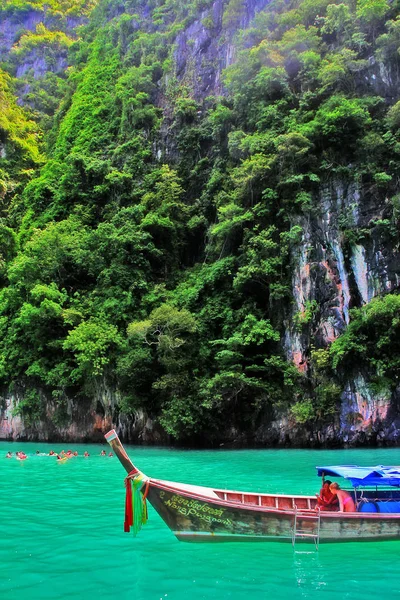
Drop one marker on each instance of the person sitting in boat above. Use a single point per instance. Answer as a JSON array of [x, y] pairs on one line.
[[346, 502], [326, 500], [9, 455]]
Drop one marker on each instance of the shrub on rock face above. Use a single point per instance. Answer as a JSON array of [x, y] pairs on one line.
[[393, 117], [372, 339]]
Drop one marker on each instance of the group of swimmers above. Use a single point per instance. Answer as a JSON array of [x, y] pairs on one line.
[[332, 497], [60, 456], [19, 455]]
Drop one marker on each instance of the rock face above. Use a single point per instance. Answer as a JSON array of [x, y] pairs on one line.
[[79, 421], [336, 273], [365, 418], [339, 275], [38, 59], [14, 24], [11, 26], [205, 48]]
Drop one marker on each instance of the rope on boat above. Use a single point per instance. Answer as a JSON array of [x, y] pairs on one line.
[[135, 502]]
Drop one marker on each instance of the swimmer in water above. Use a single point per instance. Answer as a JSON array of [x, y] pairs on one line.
[[86, 454], [111, 454], [103, 453], [9, 455]]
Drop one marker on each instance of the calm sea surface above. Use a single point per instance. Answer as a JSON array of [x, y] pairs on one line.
[[62, 531]]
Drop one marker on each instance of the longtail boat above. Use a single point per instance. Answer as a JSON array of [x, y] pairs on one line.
[[197, 513]]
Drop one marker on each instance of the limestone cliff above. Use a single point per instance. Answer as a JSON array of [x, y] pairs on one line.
[[347, 255]]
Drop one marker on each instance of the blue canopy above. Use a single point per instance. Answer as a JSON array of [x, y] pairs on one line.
[[364, 476]]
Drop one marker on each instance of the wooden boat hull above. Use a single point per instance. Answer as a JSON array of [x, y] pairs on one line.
[[195, 519], [198, 514]]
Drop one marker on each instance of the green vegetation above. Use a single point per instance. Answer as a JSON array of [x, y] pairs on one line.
[[372, 340], [16, 128], [57, 8], [153, 250], [41, 40]]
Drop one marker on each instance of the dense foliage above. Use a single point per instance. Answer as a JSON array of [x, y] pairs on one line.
[[153, 251]]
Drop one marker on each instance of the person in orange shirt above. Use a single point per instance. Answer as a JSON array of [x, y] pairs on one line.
[[327, 500]]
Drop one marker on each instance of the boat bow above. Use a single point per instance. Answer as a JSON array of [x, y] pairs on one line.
[[136, 486]]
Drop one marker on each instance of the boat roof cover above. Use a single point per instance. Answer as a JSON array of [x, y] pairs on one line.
[[364, 476]]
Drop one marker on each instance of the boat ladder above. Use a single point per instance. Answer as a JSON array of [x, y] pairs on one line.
[[310, 525]]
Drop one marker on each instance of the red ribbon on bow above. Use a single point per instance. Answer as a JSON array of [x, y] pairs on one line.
[[128, 502]]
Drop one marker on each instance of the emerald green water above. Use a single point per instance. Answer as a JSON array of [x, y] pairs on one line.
[[62, 531]]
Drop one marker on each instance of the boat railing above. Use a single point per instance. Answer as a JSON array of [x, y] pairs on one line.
[[272, 501]]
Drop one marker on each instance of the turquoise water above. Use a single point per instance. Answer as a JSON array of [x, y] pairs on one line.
[[62, 531]]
